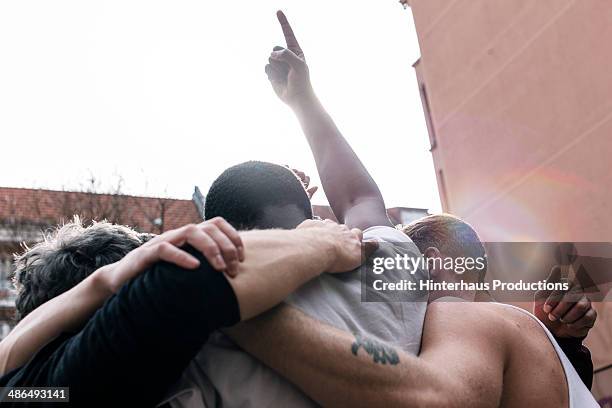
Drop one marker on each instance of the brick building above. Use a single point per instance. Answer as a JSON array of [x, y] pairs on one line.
[[26, 213]]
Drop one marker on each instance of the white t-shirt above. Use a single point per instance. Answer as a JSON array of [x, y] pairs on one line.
[[224, 375]]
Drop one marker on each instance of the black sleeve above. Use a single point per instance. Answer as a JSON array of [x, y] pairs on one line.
[[140, 341], [580, 357]]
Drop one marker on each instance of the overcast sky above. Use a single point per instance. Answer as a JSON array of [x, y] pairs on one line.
[[167, 94]]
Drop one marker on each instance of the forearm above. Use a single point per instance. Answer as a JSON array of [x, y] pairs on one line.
[[277, 262], [345, 179], [65, 313], [334, 367]]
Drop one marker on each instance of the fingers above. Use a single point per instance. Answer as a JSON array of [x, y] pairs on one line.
[[288, 57], [292, 42], [358, 233], [165, 251], [553, 277], [206, 245], [349, 247], [559, 303], [572, 308], [566, 306], [223, 247], [311, 191], [216, 239], [585, 323], [305, 179], [277, 71], [232, 234], [562, 302], [302, 176], [552, 297], [575, 312]]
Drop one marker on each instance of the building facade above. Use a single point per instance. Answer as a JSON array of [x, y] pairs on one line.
[[517, 96], [25, 214]]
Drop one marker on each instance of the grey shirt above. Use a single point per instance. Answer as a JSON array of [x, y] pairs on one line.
[[222, 375]]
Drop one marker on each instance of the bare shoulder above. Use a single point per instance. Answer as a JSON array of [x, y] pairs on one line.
[[467, 339], [494, 348], [466, 325], [475, 315], [483, 324], [479, 315], [487, 329]]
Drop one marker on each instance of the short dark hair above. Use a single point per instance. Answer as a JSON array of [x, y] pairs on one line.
[[242, 193], [65, 257]]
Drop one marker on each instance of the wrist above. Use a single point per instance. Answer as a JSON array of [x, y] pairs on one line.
[[328, 250], [319, 246], [304, 101], [102, 282]]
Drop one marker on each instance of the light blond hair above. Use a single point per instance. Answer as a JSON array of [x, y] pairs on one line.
[[449, 234]]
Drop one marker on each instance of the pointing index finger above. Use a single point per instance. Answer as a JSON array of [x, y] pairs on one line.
[[292, 42]]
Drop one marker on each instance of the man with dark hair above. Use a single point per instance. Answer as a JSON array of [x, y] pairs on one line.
[[327, 364], [260, 195], [126, 331], [481, 354], [64, 260], [221, 374]]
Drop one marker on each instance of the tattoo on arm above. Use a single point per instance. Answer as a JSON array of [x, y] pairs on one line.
[[381, 353]]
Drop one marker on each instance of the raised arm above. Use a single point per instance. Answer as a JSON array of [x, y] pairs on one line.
[[351, 191]]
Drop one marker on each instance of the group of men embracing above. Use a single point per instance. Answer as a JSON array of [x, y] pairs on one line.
[[261, 305]]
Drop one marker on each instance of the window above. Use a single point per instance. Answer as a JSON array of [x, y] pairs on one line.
[[428, 118], [5, 270]]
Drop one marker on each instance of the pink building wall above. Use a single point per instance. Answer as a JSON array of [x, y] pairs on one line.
[[518, 96]]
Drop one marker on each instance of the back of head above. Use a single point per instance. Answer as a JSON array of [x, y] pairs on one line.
[[65, 257], [260, 195], [451, 235]]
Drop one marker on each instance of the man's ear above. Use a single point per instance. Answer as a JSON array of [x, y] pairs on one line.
[[433, 253]]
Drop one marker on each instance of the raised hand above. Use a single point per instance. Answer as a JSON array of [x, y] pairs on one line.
[[287, 69]]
